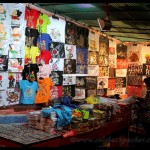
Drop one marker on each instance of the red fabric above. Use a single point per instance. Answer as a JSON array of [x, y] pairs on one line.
[[31, 15], [44, 55]]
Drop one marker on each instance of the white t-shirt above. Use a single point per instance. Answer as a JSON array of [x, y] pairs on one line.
[[57, 30], [16, 13], [44, 71]]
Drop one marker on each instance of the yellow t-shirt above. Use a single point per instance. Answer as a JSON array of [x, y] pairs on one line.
[[43, 93], [31, 53]]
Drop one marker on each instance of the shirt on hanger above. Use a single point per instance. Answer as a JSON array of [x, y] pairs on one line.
[[31, 53], [29, 69], [31, 16], [44, 71], [44, 57], [43, 93], [31, 36], [42, 23], [28, 91], [43, 41]]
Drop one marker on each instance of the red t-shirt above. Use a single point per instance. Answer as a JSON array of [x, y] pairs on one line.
[[45, 56], [31, 15]]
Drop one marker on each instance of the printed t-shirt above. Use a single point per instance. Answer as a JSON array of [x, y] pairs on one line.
[[43, 93], [29, 69], [44, 71], [44, 57], [31, 36], [42, 23], [44, 41], [28, 91], [31, 53], [31, 15]]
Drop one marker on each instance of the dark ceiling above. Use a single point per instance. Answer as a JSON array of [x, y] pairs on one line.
[[130, 21]]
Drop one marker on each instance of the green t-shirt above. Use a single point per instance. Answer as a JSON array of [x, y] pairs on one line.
[[42, 23]]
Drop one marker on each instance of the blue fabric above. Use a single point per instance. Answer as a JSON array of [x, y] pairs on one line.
[[28, 91], [13, 119], [64, 114], [66, 101], [46, 38]]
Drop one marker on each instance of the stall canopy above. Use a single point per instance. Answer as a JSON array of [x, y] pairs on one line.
[[130, 21]]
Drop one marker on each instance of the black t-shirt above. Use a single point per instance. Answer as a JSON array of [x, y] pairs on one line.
[[3, 62], [31, 36], [29, 69]]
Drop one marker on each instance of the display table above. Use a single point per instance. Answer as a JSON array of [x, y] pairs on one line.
[[14, 135]]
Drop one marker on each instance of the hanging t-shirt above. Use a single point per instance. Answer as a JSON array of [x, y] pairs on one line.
[[43, 93], [31, 16], [4, 47], [44, 57], [57, 77], [4, 30], [3, 11], [16, 13], [31, 36], [44, 41], [2, 97], [44, 71], [42, 23], [28, 91], [3, 62], [16, 50], [31, 53], [57, 29], [16, 33], [71, 33], [3, 80], [29, 69]]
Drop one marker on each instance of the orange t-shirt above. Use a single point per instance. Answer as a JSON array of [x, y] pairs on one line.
[[43, 93]]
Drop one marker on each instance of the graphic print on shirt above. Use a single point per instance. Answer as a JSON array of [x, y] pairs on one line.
[[16, 33], [4, 47], [15, 65], [29, 92], [3, 62], [3, 30], [70, 51], [13, 96], [57, 50], [3, 80], [2, 11], [42, 91], [15, 49], [57, 64]]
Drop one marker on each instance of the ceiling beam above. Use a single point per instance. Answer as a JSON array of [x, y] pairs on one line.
[[116, 36], [124, 28], [125, 32]]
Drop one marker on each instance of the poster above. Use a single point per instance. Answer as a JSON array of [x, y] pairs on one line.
[[121, 51], [93, 70], [121, 72]]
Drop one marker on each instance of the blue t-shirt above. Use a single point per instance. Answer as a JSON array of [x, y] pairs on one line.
[[43, 41], [28, 91]]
